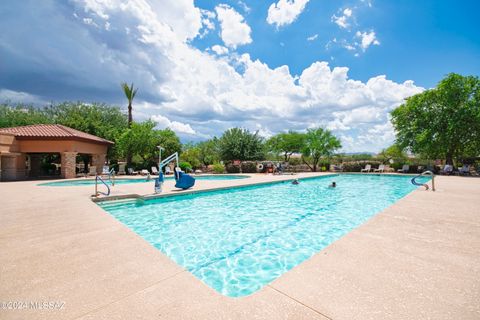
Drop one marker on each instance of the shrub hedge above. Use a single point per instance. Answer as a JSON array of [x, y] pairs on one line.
[[249, 167], [232, 168]]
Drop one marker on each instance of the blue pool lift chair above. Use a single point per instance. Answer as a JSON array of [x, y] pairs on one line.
[[183, 181]]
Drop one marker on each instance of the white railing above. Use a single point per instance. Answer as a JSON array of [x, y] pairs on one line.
[[170, 158]]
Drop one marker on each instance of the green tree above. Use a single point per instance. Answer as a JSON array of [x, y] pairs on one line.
[[21, 115], [286, 143], [191, 154], [209, 151], [100, 120], [130, 93], [318, 143], [443, 122], [169, 140], [241, 144], [141, 140], [394, 152]]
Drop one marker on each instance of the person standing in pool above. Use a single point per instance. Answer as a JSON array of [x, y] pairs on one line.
[[333, 185], [295, 181]]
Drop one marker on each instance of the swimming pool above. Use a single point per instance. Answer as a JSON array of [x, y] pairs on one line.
[[240, 239], [89, 182]]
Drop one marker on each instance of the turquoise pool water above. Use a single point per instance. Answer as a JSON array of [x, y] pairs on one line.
[[88, 182], [240, 239]]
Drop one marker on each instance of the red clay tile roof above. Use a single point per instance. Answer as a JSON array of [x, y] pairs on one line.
[[53, 132]]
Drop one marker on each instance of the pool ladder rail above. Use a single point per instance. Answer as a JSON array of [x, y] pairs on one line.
[[111, 178], [425, 173]]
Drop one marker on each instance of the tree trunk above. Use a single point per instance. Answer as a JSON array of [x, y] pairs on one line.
[[130, 119], [315, 162], [449, 159], [303, 159]]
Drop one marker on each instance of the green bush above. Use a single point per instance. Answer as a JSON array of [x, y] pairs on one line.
[[294, 161], [249, 167], [232, 168], [357, 166], [324, 166], [185, 166], [218, 168]]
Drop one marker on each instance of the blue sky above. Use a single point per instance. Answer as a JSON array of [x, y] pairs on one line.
[[205, 66], [420, 40]]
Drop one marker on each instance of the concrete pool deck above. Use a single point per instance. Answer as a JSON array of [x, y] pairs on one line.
[[417, 259]]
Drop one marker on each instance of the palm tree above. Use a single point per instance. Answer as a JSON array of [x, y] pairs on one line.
[[130, 94]]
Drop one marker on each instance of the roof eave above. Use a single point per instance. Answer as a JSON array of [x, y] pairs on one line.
[[105, 142]]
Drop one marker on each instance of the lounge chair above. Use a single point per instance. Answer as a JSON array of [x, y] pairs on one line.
[[404, 169], [464, 170], [144, 172], [447, 169], [154, 171], [168, 170], [131, 172], [336, 168], [92, 170], [278, 169], [381, 168], [367, 168], [105, 170], [121, 168]]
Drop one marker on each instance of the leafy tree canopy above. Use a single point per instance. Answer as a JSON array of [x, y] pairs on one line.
[[142, 139], [21, 115], [97, 119], [286, 143], [394, 152], [191, 154], [443, 122], [318, 143], [241, 144], [209, 151]]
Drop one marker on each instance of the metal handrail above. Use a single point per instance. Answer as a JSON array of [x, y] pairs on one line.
[[428, 172], [97, 177], [111, 176]]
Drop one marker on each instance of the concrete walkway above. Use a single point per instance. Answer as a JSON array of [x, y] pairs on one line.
[[418, 259]]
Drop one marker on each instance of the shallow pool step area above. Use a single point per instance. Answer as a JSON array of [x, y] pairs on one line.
[[115, 203]]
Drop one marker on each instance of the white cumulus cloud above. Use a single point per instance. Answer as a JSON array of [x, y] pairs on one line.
[[367, 39], [285, 12], [220, 50], [196, 93], [179, 127], [343, 21], [234, 30]]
